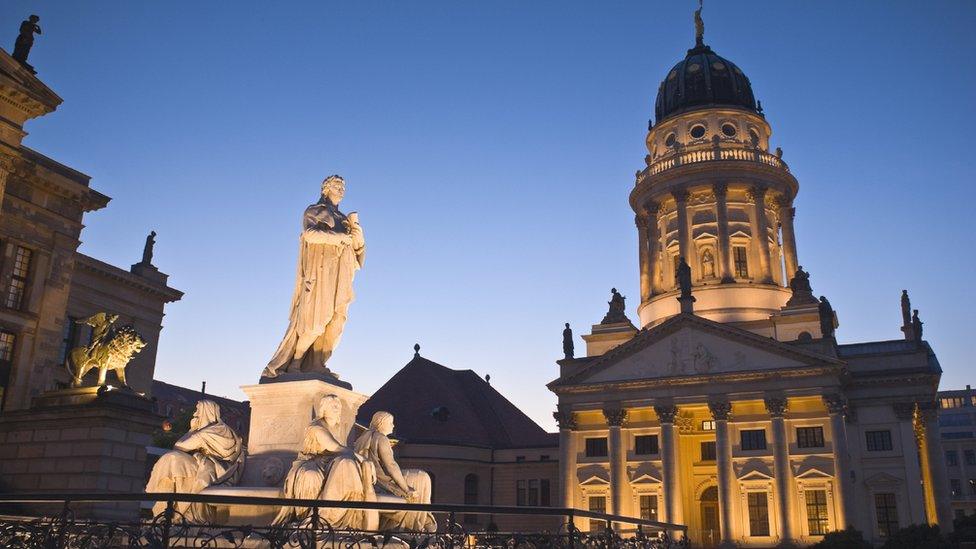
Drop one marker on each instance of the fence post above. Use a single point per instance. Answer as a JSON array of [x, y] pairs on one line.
[[450, 530], [572, 529], [64, 524], [168, 520]]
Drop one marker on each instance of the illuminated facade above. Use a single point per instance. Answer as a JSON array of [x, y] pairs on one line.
[[734, 410], [957, 417]]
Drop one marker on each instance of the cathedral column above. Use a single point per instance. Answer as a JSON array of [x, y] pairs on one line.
[[670, 464], [684, 227], [618, 459], [836, 409], [722, 413], [786, 213], [777, 406], [911, 437], [643, 255], [933, 466], [760, 232], [654, 246], [567, 457], [721, 191]]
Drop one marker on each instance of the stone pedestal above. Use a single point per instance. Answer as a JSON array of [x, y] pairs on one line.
[[78, 440], [280, 412]]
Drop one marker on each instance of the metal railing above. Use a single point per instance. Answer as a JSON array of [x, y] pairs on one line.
[[714, 152], [169, 528]]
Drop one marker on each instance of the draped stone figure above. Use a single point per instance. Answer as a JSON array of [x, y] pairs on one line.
[[331, 250], [413, 485], [209, 454], [326, 469]]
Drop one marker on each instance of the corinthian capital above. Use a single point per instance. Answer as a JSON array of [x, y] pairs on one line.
[[777, 406], [680, 195], [721, 410], [565, 419], [757, 193], [641, 220], [666, 413], [835, 404], [615, 416], [720, 190]]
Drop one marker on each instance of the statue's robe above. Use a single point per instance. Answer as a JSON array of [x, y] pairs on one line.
[[323, 291], [325, 469], [376, 448], [208, 456]]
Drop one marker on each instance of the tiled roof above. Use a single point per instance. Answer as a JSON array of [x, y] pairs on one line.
[[877, 347], [434, 404]]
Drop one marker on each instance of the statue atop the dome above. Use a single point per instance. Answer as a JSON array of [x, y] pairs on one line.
[[331, 250], [699, 27]]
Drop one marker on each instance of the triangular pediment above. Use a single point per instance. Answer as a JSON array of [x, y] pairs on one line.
[[645, 473], [688, 345], [754, 469], [881, 480], [594, 476], [814, 467]]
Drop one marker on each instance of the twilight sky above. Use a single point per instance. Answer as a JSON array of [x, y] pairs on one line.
[[489, 148]]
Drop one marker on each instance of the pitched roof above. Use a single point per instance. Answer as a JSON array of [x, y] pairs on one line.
[[433, 404], [648, 336]]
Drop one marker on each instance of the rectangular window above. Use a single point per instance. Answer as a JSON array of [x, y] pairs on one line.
[[878, 441], [970, 456], [544, 499], [648, 507], [645, 445], [758, 514], [952, 458], [69, 335], [520, 493], [708, 450], [817, 522], [741, 262], [753, 439], [809, 437], [952, 402], [18, 279], [533, 500], [7, 342], [596, 447], [598, 504], [708, 425], [886, 510], [955, 487]]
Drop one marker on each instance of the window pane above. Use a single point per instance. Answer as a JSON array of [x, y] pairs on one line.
[[533, 493], [18, 279], [758, 514], [596, 447], [809, 437], [887, 512], [878, 441], [544, 499], [648, 507], [520, 493], [741, 263], [817, 522], [753, 439], [708, 450], [645, 445], [598, 504]]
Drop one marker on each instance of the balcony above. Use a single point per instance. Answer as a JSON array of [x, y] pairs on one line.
[[711, 153]]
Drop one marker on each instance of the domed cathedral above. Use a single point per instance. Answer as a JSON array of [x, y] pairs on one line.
[[732, 409], [713, 194]]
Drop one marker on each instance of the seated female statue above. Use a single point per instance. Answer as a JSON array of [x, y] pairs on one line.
[[209, 454], [411, 484], [326, 469]]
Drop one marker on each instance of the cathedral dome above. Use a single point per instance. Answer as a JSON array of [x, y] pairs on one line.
[[703, 79]]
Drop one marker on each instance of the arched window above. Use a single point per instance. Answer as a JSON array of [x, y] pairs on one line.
[[471, 489], [708, 264]]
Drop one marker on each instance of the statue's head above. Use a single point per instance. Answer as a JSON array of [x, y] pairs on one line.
[[272, 471], [207, 412], [33, 19], [382, 422], [329, 408], [334, 188]]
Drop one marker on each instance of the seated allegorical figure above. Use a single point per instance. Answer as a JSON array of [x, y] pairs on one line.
[[209, 454], [326, 469], [413, 485]]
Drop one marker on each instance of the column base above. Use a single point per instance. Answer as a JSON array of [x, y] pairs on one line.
[[728, 545], [787, 544]]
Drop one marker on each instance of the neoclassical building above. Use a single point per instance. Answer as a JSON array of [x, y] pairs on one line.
[[732, 408]]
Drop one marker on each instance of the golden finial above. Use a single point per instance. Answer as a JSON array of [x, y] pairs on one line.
[[699, 26]]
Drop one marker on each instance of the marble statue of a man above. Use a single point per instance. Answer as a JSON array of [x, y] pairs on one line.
[[209, 454], [331, 250]]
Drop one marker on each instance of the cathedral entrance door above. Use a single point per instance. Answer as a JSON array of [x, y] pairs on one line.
[[709, 517]]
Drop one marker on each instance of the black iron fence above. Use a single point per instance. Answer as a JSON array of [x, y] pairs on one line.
[[63, 529]]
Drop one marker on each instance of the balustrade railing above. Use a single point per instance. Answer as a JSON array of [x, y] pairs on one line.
[[169, 529], [712, 153]]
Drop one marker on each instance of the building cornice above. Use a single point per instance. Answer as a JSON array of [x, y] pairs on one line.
[[90, 264]]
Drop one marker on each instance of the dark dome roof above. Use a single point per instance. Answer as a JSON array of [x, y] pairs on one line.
[[703, 79]]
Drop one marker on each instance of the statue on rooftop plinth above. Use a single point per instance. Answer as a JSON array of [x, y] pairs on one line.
[[617, 311], [147, 250], [568, 350], [25, 40], [331, 250]]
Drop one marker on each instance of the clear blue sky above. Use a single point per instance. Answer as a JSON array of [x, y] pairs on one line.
[[490, 148]]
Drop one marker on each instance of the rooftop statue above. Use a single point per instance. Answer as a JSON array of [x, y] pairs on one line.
[[699, 26], [25, 40], [568, 350], [826, 317], [147, 250], [916, 326], [906, 309], [683, 276], [209, 454], [331, 250], [111, 348], [618, 308], [800, 286]]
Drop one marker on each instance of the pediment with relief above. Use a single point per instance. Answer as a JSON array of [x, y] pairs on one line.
[[691, 351]]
